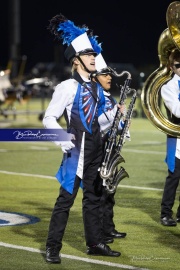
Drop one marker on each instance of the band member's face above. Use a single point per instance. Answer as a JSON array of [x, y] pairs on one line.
[[89, 62], [176, 68], [105, 80]]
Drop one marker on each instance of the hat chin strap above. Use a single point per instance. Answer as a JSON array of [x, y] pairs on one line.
[[87, 70], [96, 79]]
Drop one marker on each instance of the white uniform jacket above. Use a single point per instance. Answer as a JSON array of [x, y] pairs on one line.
[[170, 93], [69, 96]]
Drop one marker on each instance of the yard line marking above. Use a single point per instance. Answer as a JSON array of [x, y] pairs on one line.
[[129, 267], [53, 178], [28, 174], [143, 188], [124, 150], [39, 148], [144, 151]]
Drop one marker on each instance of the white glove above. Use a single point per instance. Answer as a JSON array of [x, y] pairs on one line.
[[120, 127], [66, 146]]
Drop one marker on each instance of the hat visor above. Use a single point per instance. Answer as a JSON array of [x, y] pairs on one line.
[[87, 51], [104, 71]]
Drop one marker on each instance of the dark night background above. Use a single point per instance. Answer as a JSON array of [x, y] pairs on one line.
[[129, 30]]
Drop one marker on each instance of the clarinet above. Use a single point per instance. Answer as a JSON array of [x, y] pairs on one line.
[[109, 172], [127, 120]]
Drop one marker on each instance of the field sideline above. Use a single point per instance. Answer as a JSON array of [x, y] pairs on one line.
[[28, 186], [97, 262]]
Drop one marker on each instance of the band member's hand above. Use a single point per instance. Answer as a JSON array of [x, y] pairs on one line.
[[66, 146], [122, 108]]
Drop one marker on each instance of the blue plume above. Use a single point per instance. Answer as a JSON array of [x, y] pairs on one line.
[[65, 29], [70, 31], [96, 46]]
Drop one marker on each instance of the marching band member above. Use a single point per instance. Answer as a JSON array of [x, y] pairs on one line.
[[170, 93], [82, 101], [103, 76]]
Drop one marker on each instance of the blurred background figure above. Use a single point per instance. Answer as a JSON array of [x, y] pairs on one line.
[[4, 84]]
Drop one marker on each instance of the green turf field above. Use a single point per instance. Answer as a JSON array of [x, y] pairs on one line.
[[28, 186]]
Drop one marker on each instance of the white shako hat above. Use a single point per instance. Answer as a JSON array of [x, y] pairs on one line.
[[101, 66], [74, 37], [79, 46]]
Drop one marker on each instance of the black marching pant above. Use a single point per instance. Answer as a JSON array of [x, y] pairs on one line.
[[90, 202], [107, 213], [169, 194]]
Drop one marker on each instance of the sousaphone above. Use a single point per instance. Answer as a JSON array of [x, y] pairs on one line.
[[150, 96]]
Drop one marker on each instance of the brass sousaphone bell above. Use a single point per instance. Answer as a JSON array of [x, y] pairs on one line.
[[150, 96]]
